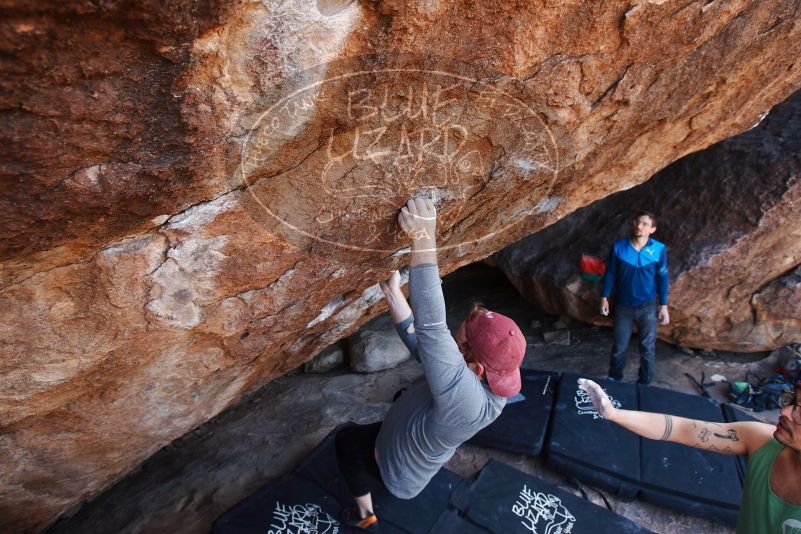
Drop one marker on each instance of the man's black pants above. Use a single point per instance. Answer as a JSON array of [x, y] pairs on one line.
[[645, 316], [355, 447]]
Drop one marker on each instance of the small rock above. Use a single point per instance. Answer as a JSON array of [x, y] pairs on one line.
[[535, 324], [565, 319], [686, 350], [708, 353], [376, 346], [330, 358], [557, 337], [560, 325]]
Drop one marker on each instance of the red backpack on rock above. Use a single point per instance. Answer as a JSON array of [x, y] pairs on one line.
[[592, 268]]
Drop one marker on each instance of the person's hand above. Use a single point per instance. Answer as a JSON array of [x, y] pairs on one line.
[[600, 400], [604, 306], [391, 284], [418, 218], [664, 316]]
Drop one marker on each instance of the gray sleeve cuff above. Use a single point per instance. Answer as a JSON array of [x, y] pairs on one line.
[[427, 300], [409, 338]]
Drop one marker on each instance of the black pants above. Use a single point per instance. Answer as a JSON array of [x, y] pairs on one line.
[[645, 316], [355, 446]]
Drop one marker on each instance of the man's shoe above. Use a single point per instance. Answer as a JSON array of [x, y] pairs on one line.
[[351, 518]]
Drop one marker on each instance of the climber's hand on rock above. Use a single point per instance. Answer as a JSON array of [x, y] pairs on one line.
[[391, 284], [418, 218]]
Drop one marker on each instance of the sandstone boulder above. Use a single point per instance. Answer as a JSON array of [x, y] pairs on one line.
[[200, 196], [328, 359], [376, 346], [729, 216]]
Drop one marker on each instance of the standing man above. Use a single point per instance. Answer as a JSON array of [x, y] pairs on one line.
[[637, 270], [771, 501], [467, 381]]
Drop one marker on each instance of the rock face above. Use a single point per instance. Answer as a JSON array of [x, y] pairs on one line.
[[729, 216], [199, 196]]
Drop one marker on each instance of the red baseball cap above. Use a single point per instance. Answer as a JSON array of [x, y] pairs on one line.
[[499, 346]]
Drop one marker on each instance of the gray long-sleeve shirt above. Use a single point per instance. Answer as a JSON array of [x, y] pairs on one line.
[[425, 425]]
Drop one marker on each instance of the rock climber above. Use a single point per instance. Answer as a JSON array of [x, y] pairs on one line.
[[467, 381]]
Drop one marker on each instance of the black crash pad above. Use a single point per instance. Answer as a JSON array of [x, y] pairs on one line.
[[507, 501], [584, 445], [408, 515], [450, 522], [522, 425], [313, 496], [290, 505], [687, 479]]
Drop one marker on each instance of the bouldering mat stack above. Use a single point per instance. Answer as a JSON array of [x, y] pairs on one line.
[[605, 455], [522, 425], [498, 500], [504, 500], [584, 445]]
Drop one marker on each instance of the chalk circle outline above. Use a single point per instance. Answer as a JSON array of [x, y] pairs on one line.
[[247, 144]]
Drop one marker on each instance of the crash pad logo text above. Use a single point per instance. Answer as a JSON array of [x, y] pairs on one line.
[[584, 404], [302, 519], [543, 513]]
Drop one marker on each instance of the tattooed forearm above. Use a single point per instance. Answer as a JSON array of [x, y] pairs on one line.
[[668, 428], [732, 435], [706, 433]]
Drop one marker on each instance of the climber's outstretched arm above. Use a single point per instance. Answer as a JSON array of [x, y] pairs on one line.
[[726, 438]]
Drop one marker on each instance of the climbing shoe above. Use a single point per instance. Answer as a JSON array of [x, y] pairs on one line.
[[357, 523]]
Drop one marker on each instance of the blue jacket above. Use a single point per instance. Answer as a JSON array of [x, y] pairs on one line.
[[637, 276]]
